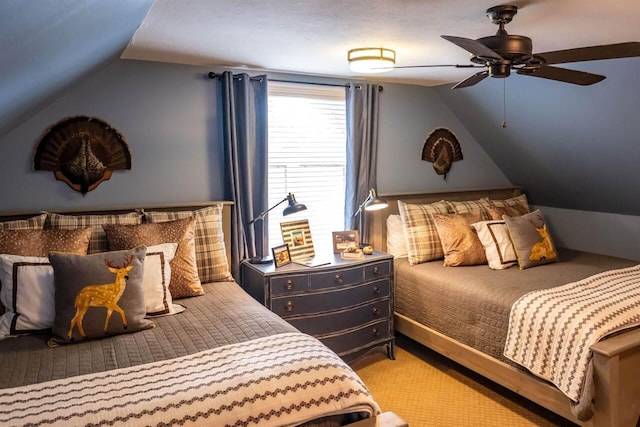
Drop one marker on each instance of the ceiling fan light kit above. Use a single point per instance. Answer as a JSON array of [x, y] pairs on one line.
[[502, 53], [371, 59]]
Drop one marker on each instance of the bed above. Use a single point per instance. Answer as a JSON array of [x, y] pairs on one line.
[[224, 360], [463, 313]]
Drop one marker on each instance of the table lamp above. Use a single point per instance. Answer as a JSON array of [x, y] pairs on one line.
[[371, 203], [292, 208]]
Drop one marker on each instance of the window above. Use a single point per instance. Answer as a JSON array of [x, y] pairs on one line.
[[307, 157]]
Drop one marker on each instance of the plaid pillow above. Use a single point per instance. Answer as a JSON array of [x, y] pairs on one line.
[[520, 203], [211, 254], [470, 206], [35, 222], [423, 242], [98, 242]]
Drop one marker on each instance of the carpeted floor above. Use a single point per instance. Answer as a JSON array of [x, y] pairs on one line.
[[427, 389]]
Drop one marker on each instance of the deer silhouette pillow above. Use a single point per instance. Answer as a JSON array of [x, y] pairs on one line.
[[98, 295], [531, 239]]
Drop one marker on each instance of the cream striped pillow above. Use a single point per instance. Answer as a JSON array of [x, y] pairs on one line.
[[423, 242]]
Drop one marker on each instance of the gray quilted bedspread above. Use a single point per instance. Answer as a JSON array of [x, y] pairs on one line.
[[472, 304], [224, 315]]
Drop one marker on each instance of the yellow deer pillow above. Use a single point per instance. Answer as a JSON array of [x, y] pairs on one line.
[[531, 239], [98, 295]]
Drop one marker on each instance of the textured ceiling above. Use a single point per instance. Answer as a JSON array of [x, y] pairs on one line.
[[313, 37]]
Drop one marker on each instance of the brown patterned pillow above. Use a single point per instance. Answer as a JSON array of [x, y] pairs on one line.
[[36, 222], [40, 242], [211, 254], [467, 206], [460, 242], [184, 273], [531, 240], [98, 242], [423, 242]]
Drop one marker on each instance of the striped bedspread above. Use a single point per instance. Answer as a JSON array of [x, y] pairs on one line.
[[551, 331], [281, 380]]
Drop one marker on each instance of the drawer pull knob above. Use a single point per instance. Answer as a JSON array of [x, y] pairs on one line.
[[376, 271], [288, 285], [289, 306], [375, 332], [338, 279], [377, 290], [376, 311]]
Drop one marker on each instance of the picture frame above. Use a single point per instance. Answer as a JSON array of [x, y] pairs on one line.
[[281, 255], [343, 239], [297, 235]]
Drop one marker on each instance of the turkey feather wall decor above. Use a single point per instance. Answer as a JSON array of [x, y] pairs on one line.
[[82, 151], [442, 149]]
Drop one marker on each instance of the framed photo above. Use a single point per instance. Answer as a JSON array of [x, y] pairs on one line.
[[281, 255], [343, 239], [297, 235]]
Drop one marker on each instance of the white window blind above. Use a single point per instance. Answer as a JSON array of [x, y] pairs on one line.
[[307, 157]]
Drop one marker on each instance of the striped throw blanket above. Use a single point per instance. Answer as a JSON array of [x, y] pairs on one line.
[[551, 331], [281, 380]]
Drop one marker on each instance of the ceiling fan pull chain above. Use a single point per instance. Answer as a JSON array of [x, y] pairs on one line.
[[504, 103]]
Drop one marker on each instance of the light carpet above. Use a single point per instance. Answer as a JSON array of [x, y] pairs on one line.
[[427, 389]]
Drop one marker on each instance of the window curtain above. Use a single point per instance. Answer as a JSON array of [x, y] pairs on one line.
[[244, 117], [362, 150]]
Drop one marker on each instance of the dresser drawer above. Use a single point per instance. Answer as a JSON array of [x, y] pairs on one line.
[[344, 319], [342, 277], [289, 284], [357, 338], [377, 270], [299, 304]]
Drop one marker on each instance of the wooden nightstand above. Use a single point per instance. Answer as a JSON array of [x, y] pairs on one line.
[[348, 304]]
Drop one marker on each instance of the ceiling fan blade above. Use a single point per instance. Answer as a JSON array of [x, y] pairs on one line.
[[473, 46], [562, 75], [470, 81], [592, 53]]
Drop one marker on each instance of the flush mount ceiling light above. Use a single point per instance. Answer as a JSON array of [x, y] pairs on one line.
[[371, 59]]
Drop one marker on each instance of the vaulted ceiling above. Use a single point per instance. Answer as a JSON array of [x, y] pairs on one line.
[[570, 146]]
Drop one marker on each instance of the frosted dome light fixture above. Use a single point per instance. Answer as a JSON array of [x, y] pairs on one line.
[[371, 59]]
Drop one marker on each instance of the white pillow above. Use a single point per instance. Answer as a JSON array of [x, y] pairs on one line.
[[27, 293], [155, 282], [496, 241], [396, 241]]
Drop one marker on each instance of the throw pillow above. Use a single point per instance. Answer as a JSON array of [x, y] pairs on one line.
[[157, 275], [498, 248], [211, 254], [27, 292], [531, 240], [468, 206], [25, 224], [520, 203], [98, 295], [423, 242], [38, 242], [98, 242], [460, 243], [496, 213], [184, 272], [396, 242]]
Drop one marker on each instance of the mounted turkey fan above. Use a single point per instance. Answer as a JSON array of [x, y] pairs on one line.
[[502, 52]]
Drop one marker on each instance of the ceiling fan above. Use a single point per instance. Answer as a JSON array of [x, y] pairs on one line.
[[503, 52]]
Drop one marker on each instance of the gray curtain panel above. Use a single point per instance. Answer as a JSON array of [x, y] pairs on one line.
[[244, 107], [362, 150]]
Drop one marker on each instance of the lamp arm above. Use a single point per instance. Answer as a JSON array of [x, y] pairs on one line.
[[261, 216]]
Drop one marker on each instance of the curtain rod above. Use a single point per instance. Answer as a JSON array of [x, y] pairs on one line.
[[213, 75]]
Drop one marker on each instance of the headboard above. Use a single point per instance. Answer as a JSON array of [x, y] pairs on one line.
[[226, 214], [377, 220]]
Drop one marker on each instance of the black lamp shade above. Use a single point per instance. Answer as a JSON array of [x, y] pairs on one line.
[[294, 206]]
